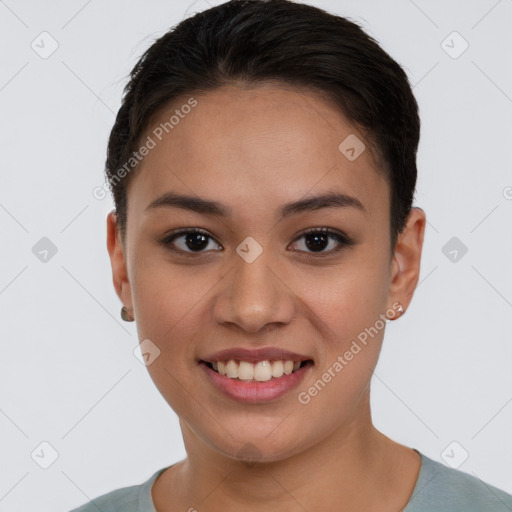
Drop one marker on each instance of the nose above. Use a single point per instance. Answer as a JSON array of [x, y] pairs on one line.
[[255, 296]]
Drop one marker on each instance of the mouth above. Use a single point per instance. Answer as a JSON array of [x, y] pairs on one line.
[[255, 375], [261, 371]]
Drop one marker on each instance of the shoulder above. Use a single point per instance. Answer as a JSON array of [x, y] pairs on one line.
[[442, 488], [125, 499], [135, 498]]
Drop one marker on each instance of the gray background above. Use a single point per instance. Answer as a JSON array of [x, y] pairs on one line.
[[68, 373]]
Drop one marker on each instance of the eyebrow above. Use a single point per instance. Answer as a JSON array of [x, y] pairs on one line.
[[214, 208]]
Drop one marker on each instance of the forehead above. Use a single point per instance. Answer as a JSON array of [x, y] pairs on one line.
[[256, 146]]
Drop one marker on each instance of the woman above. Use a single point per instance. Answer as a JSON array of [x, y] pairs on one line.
[[263, 168]]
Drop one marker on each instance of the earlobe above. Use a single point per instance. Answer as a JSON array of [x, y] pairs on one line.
[[117, 260], [407, 258]]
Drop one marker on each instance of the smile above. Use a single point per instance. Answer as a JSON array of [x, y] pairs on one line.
[[255, 376], [261, 371]]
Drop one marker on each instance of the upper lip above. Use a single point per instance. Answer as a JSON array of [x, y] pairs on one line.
[[254, 355]]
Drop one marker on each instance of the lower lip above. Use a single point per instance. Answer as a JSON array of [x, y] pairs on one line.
[[255, 392]]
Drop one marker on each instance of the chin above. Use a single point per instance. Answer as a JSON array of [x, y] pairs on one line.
[[254, 449]]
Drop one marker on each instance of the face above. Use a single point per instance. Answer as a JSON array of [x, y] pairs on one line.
[[254, 282]]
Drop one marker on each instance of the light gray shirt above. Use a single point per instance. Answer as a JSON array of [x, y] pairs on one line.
[[438, 489]]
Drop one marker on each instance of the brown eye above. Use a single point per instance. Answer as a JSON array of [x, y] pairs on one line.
[[318, 240], [194, 241]]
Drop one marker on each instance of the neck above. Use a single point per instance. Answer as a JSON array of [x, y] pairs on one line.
[[354, 468]]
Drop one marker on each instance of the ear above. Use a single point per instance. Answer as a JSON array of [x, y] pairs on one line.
[[118, 261], [405, 268]]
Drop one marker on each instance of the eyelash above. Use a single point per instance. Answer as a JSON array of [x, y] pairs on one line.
[[341, 238]]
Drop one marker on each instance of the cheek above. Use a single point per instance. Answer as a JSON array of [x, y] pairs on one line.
[[347, 298], [166, 296], [347, 308], [349, 313], [167, 303]]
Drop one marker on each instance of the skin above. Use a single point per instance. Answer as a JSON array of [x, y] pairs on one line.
[[254, 149]]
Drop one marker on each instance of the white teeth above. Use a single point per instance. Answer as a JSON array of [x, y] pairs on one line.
[[245, 370], [262, 371], [288, 367], [277, 369], [231, 369]]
